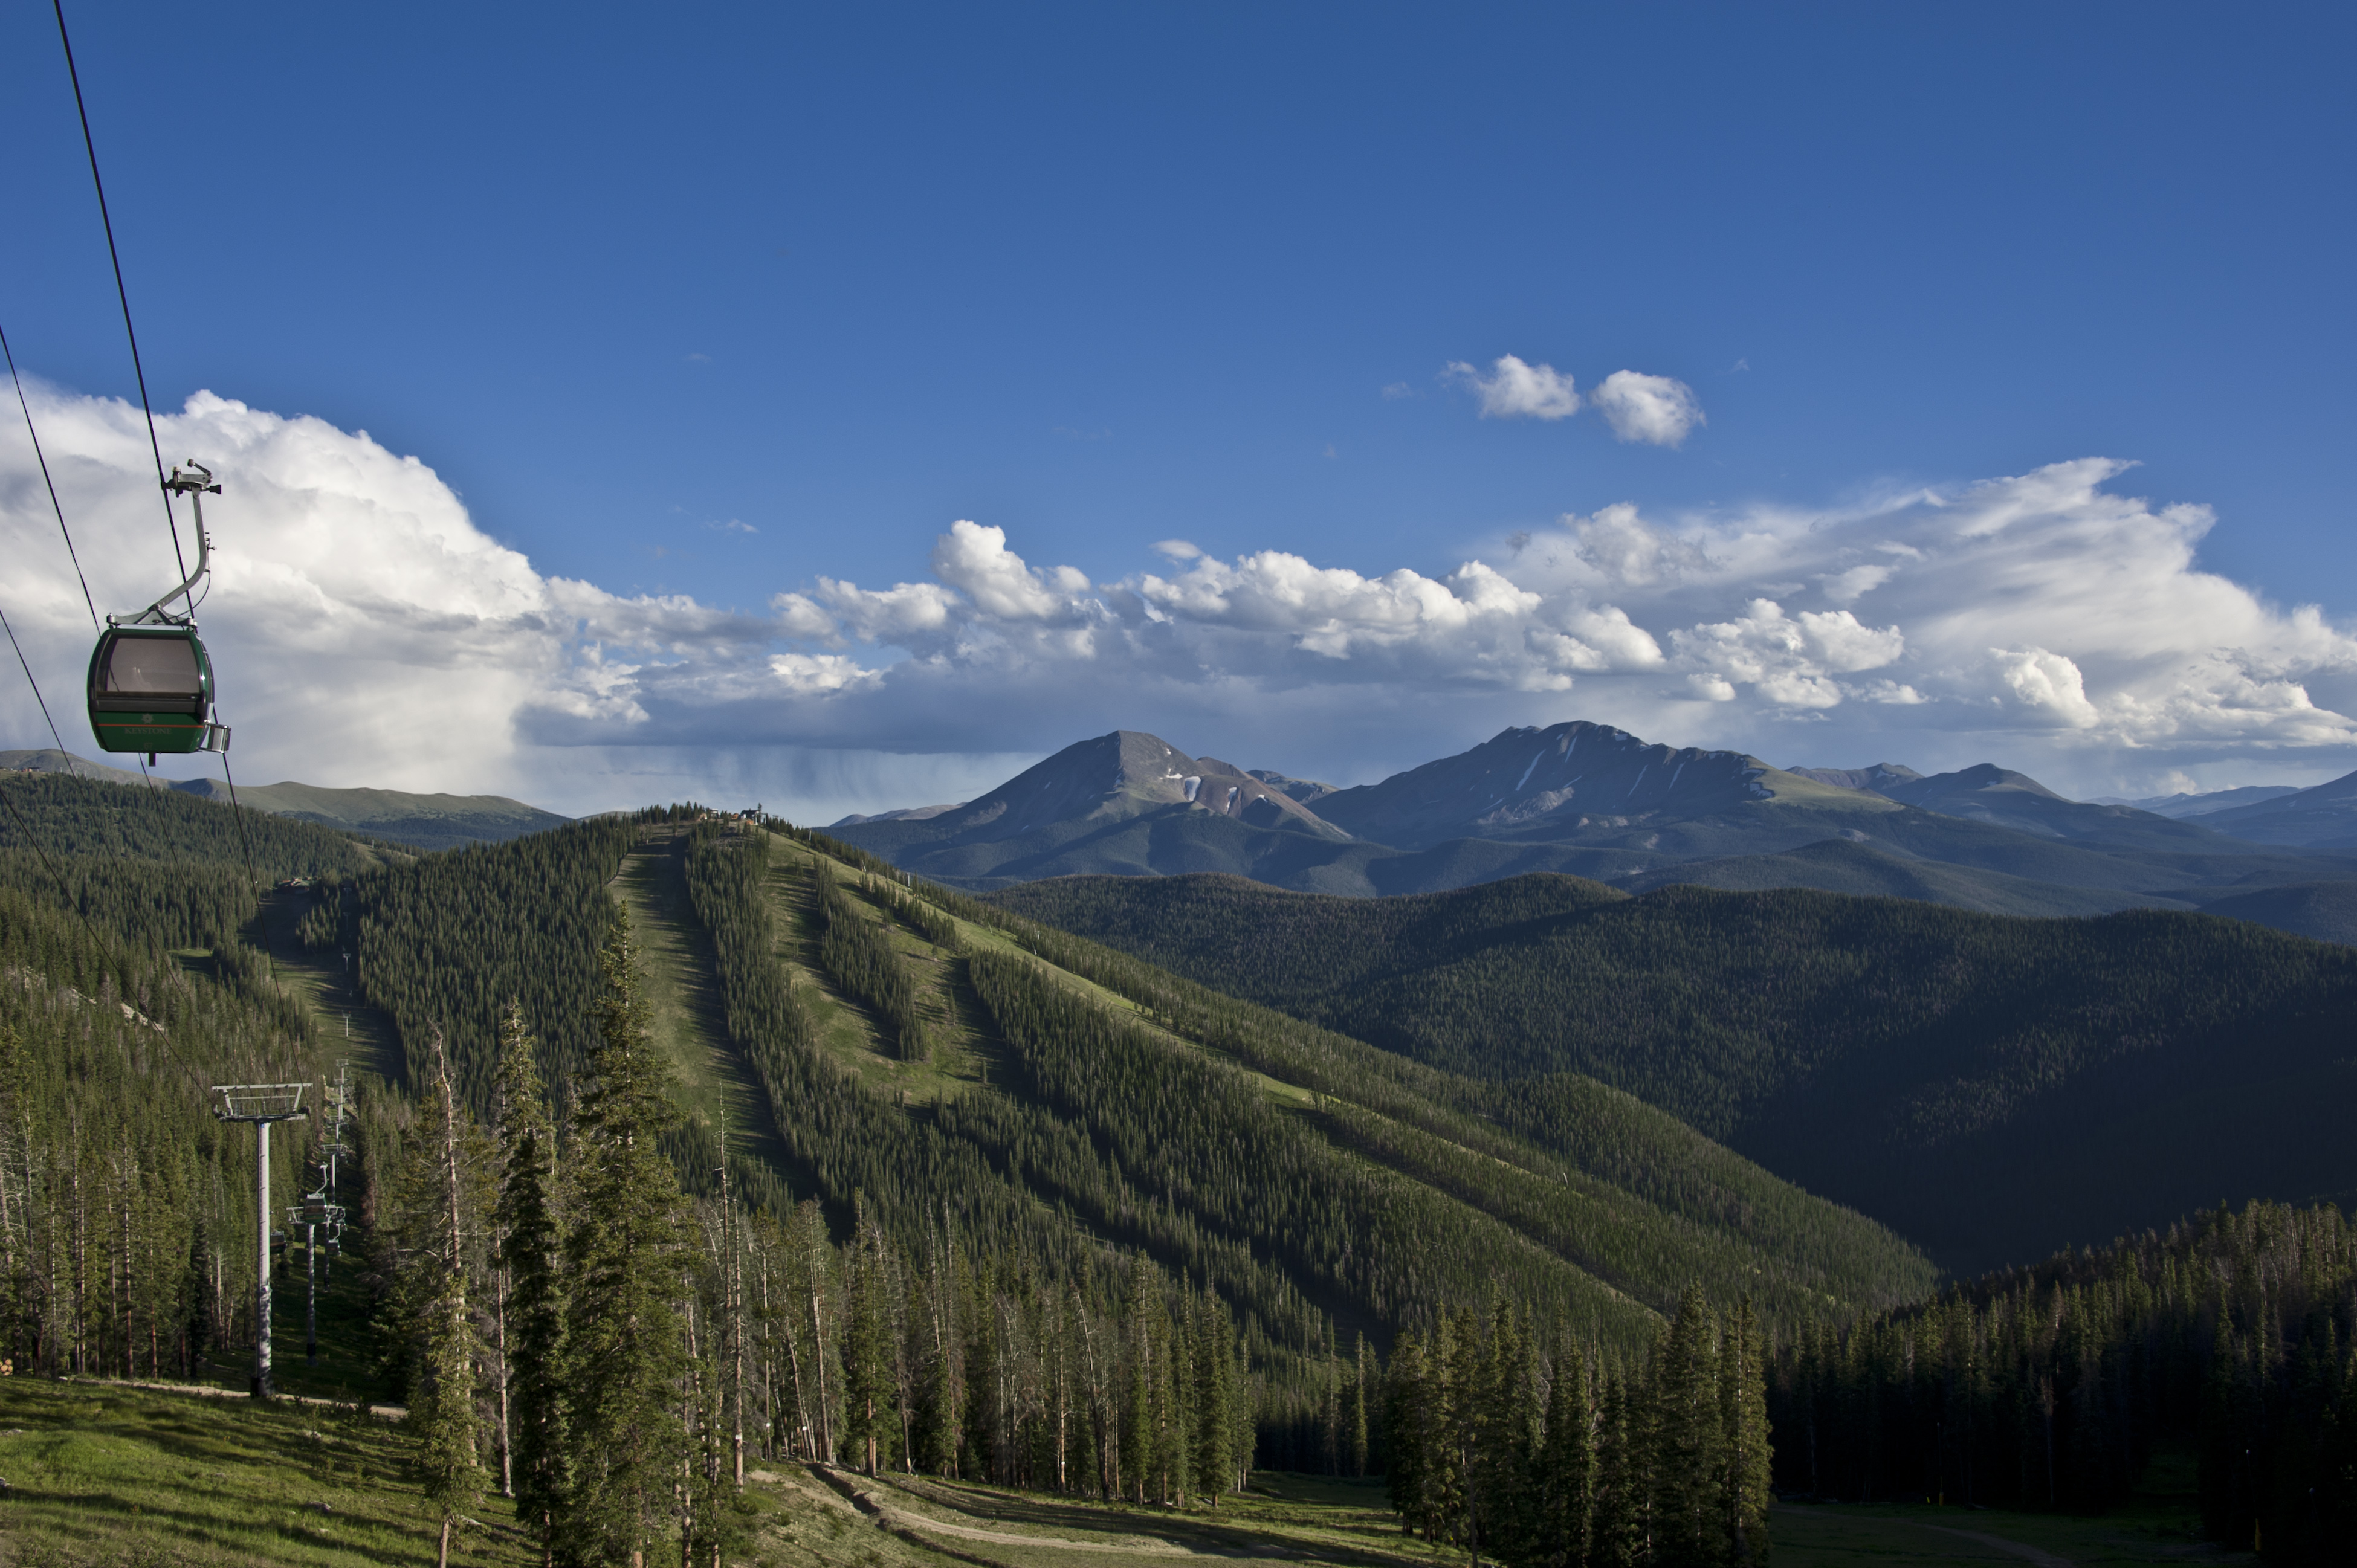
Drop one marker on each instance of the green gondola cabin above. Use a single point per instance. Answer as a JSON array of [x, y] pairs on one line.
[[151, 690]]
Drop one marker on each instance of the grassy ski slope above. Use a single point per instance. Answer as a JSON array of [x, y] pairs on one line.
[[1630, 1231]]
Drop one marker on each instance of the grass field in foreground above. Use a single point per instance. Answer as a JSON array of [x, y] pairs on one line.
[[103, 1476], [108, 1475]]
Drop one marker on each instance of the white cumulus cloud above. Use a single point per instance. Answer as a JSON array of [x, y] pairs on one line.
[[1652, 409], [1513, 390], [976, 559]]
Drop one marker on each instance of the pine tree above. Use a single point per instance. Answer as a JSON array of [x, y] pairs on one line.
[[531, 1241], [1179, 1430], [1743, 1427], [1408, 1395], [1137, 1428], [1458, 1420], [1215, 1378], [1505, 1451], [867, 1383], [1688, 1469], [1358, 1411], [442, 1416], [627, 1250], [1565, 1481], [1617, 1520], [938, 1412]]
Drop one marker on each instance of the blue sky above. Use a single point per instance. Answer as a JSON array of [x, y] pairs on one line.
[[1101, 277]]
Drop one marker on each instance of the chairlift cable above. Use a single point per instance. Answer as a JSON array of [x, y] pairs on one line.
[[42, 458], [63, 754], [155, 447], [242, 832], [148, 408]]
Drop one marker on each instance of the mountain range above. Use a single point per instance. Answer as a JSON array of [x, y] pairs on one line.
[[419, 821], [2201, 805], [1596, 801]]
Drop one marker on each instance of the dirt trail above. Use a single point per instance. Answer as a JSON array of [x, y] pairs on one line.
[[893, 1517]]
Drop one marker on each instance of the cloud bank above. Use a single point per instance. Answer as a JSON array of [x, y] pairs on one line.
[[369, 631]]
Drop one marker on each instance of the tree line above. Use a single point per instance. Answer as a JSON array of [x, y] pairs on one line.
[[2234, 1334], [1507, 1439], [66, 815]]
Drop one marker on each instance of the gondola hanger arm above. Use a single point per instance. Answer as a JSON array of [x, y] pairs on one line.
[[196, 481]]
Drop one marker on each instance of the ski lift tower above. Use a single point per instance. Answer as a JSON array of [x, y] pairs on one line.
[[261, 1104], [320, 1208]]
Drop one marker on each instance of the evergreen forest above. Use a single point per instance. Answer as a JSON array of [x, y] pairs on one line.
[[683, 1143], [1993, 1087]]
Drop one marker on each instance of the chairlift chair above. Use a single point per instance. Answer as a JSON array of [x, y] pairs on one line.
[[151, 681]]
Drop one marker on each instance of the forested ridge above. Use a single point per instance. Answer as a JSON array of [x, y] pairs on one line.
[[1600, 1147], [1707, 1004], [98, 849], [1989, 1086], [71, 816], [450, 939]]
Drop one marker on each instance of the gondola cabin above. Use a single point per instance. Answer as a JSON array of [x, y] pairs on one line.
[[151, 690]]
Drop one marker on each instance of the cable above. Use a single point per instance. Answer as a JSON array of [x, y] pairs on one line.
[[122, 294], [43, 459], [251, 875], [64, 756]]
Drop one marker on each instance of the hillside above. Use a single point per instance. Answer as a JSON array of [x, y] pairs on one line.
[[2326, 911], [855, 1107], [1989, 793], [1012, 1149], [1408, 1155], [1991, 1087], [419, 821]]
